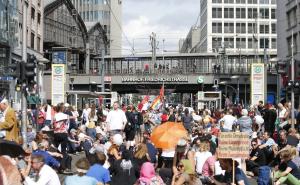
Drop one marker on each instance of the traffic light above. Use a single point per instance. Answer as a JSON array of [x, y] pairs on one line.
[[28, 69], [281, 67], [293, 84], [14, 70]]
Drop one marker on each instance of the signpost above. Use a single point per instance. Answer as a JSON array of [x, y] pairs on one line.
[[258, 78], [58, 84]]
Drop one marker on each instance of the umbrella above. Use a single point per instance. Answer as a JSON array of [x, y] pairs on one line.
[[11, 148], [166, 136]]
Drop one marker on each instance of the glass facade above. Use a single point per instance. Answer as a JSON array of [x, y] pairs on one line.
[[8, 22]]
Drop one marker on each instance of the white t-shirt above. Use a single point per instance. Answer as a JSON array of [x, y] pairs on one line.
[[282, 113], [200, 158], [229, 120], [116, 119], [47, 176]]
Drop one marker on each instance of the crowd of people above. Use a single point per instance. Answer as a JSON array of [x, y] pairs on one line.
[[115, 147]]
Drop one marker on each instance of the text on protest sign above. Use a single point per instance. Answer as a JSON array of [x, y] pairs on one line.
[[233, 145]]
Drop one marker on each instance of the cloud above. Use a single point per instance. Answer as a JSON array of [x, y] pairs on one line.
[[169, 19]]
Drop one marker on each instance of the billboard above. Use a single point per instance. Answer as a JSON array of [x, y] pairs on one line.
[[58, 84]]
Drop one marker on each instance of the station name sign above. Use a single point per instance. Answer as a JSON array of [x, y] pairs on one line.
[[155, 79]]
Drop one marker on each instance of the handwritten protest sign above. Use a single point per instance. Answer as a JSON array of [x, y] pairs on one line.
[[233, 145]]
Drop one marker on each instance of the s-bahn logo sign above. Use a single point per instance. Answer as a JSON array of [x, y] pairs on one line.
[[154, 79]]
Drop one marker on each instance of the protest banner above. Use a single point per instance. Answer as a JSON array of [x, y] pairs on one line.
[[233, 145]]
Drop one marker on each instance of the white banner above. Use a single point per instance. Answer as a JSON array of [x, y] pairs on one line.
[[257, 83], [58, 84]]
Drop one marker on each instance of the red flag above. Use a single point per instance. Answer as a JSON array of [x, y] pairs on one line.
[[144, 101], [162, 91]]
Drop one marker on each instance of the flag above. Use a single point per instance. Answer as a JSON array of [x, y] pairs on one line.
[[162, 91], [142, 104], [157, 102]]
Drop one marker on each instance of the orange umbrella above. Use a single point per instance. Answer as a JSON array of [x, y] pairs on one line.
[[166, 136]]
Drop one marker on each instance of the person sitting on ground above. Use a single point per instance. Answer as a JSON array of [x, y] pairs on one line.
[[124, 171], [288, 172], [141, 155], [239, 179], [44, 173], [97, 170], [184, 174], [256, 159], [148, 176], [82, 166]]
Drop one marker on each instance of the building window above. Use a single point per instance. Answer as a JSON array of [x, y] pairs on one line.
[[240, 27], [217, 27], [252, 1], [240, 1], [274, 44], [216, 42], [273, 13], [252, 13], [216, 1], [32, 40], [240, 42], [264, 13], [39, 18], [292, 17], [32, 13], [38, 44], [250, 43], [273, 25], [228, 42], [264, 43], [228, 27], [251, 28], [264, 28], [229, 1], [240, 13], [217, 13], [264, 1], [273, 1], [228, 13]]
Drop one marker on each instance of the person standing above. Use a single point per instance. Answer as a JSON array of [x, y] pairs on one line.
[[116, 120], [227, 121], [60, 125], [187, 120], [9, 122], [85, 115], [270, 119]]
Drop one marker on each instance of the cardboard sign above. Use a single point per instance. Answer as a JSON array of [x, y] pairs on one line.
[[233, 145]]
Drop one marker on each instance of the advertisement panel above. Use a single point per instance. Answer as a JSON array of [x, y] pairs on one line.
[[58, 84], [257, 83]]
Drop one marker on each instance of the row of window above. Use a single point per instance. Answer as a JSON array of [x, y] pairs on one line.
[[94, 2], [251, 43], [33, 15], [95, 15], [241, 28], [245, 1], [240, 13]]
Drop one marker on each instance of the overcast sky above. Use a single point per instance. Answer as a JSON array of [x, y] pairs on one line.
[[169, 19]]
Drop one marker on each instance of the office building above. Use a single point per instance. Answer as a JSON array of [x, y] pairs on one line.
[[109, 14]]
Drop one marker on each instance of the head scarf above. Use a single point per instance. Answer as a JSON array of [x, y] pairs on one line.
[[188, 167], [147, 173]]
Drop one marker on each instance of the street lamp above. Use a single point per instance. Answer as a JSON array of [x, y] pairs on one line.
[[237, 77]]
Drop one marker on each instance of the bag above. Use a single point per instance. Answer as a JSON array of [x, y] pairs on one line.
[[264, 173]]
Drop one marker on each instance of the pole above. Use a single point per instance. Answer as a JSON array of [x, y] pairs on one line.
[[102, 70], [238, 91], [245, 98], [293, 79], [278, 88], [24, 58]]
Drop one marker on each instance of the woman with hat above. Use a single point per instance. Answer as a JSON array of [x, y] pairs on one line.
[[82, 166]]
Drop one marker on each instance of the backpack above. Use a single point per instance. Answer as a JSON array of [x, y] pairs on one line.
[[263, 175]]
